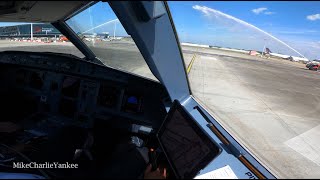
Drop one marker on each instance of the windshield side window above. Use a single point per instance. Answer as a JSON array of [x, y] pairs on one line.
[[99, 28], [35, 37]]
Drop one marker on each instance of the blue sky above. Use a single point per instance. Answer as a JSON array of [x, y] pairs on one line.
[[294, 23], [235, 24]]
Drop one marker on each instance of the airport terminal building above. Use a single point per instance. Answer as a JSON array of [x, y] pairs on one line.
[[24, 30]]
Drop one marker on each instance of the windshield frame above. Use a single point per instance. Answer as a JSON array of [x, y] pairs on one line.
[[166, 62], [179, 44], [80, 44], [75, 40]]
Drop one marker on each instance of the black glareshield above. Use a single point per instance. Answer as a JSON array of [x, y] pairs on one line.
[[184, 143]]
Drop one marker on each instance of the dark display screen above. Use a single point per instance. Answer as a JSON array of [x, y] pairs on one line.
[[187, 147], [108, 96], [133, 103], [70, 87]]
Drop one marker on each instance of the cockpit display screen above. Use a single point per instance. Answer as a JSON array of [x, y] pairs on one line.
[[186, 146], [133, 103]]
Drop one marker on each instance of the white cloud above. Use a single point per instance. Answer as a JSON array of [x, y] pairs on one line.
[[313, 17], [269, 13], [259, 10]]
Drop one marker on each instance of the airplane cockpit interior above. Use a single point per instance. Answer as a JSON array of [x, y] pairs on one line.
[[62, 110]]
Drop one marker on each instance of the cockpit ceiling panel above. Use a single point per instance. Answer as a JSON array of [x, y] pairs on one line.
[[38, 11]]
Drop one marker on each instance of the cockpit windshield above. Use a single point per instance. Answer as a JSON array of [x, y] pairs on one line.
[[248, 63], [98, 27]]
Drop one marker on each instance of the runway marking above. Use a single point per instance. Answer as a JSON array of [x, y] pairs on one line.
[[307, 144], [191, 63]]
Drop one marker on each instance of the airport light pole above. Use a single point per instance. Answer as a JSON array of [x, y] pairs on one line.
[[114, 30], [31, 32]]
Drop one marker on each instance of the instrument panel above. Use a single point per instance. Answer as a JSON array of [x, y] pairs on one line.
[[82, 91]]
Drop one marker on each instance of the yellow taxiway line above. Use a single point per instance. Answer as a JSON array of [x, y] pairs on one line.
[[191, 63]]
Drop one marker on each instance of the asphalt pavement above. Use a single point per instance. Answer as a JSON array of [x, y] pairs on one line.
[[271, 107]]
